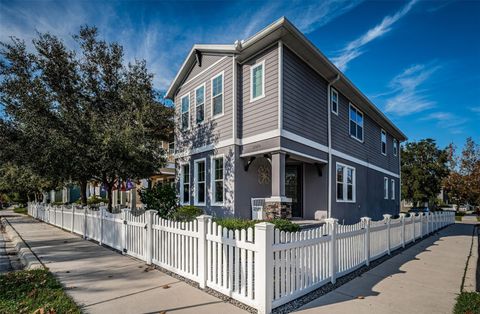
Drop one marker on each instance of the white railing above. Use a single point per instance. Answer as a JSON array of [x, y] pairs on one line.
[[261, 266]]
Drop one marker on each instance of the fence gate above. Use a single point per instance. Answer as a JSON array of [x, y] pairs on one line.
[[135, 233]]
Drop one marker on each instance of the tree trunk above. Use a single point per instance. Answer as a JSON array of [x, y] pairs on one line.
[[83, 191], [110, 196]]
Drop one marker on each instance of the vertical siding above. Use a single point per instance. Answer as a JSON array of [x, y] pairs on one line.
[[370, 149], [304, 99], [261, 115], [213, 130]]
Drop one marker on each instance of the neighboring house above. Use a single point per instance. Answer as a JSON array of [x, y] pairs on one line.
[[271, 117]]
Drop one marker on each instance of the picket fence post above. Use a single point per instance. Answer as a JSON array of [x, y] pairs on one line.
[[149, 251], [387, 218], [124, 232], [101, 225], [332, 223], [428, 223], [73, 219], [85, 228], [402, 219], [263, 266], [62, 211], [413, 221], [366, 241], [203, 221]]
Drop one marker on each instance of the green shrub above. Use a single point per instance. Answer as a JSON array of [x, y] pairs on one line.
[[161, 197], [93, 200], [467, 302], [460, 214], [57, 203], [186, 213], [239, 223]]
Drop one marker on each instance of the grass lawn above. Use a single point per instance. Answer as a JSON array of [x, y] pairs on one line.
[[467, 302], [21, 210], [30, 290], [458, 218]]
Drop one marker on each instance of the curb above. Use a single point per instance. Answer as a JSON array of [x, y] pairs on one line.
[[28, 259]]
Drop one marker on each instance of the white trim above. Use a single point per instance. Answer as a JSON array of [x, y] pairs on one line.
[[345, 184], [386, 191], [273, 149], [259, 137], [181, 164], [363, 163], [257, 65], [187, 95], [223, 95], [280, 85], [195, 181], [382, 131], [392, 189], [302, 140], [338, 100], [349, 125], [212, 180], [202, 72], [204, 101], [303, 155]]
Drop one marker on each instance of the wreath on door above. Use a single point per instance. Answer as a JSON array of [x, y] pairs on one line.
[[263, 174]]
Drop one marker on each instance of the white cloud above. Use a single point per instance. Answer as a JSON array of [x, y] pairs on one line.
[[408, 96], [354, 48], [447, 120]]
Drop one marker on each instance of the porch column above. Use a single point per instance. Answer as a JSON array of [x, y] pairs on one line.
[[278, 205]]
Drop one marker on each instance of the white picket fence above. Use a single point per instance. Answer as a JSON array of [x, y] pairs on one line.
[[261, 267]]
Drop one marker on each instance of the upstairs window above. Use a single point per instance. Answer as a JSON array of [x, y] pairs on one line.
[[334, 100], [384, 142], [185, 184], [385, 188], [392, 187], [345, 183], [356, 123], [395, 147], [217, 95], [185, 112], [200, 103], [257, 81], [218, 186], [200, 189]]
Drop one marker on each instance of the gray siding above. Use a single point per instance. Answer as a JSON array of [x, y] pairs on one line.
[[261, 115], [370, 149], [369, 195], [229, 173], [213, 130], [207, 60], [304, 99], [315, 190], [305, 149]]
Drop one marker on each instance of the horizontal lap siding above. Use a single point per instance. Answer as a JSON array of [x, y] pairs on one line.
[[213, 130], [370, 149], [261, 115], [304, 99]]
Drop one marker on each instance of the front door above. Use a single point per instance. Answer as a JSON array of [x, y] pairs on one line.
[[293, 188]]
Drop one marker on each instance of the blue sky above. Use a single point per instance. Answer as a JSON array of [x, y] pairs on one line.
[[418, 61]]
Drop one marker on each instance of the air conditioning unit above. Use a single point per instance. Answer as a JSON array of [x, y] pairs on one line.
[[258, 205]]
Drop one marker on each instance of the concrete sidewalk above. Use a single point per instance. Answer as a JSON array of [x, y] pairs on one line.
[[425, 278], [103, 281]]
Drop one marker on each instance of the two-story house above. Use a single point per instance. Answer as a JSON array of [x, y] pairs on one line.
[[271, 117]]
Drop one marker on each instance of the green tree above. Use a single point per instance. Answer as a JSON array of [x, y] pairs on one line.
[[424, 166]]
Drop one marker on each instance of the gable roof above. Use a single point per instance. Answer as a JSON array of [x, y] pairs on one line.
[[284, 30]]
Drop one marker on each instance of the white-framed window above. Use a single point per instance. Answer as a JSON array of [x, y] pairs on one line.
[[346, 183], [218, 180], [200, 181], [185, 183], [392, 188], [395, 147], [217, 95], [385, 188], [200, 104], [383, 138], [185, 103], [334, 100], [257, 81], [356, 123]]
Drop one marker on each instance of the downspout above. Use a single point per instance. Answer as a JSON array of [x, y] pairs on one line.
[[329, 108]]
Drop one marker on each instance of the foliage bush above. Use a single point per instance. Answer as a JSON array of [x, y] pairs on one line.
[[93, 200], [467, 302], [57, 203], [186, 213], [239, 223], [160, 197]]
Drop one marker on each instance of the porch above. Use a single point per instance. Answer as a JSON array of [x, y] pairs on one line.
[[295, 186]]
